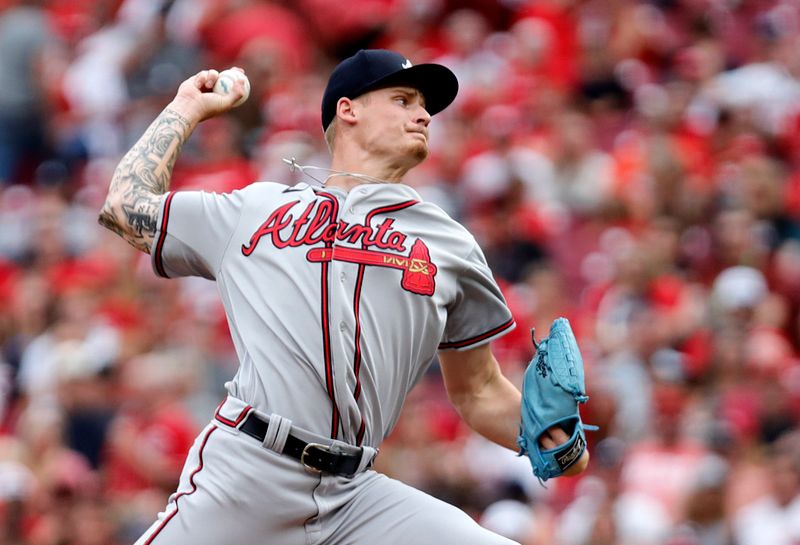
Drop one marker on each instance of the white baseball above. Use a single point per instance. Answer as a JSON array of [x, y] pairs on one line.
[[225, 83]]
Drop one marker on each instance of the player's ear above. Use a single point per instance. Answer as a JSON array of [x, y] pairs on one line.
[[345, 110]]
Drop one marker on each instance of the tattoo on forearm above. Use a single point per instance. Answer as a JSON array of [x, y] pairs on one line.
[[140, 222], [142, 177]]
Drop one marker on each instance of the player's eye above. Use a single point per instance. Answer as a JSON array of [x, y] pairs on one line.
[[403, 101]]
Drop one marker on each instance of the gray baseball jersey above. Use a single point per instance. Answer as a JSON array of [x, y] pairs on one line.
[[337, 302]]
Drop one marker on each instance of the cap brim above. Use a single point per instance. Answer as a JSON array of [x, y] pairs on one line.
[[437, 84]]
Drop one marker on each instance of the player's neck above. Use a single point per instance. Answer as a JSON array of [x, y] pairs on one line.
[[369, 169]]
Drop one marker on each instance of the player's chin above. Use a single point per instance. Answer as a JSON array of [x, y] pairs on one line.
[[419, 150]]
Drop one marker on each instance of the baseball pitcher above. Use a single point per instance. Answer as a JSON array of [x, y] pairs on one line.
[[338, 297]]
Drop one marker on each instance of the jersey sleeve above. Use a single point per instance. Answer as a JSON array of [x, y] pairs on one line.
[[478, 313], [193, 232]]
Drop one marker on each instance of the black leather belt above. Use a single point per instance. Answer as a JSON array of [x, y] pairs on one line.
[[314, 456]]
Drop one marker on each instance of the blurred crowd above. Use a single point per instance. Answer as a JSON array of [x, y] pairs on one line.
[[631, 165]]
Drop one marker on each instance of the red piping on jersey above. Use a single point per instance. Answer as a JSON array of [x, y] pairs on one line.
[[356, 307], [477, 338], [326, 332], [163, 236], [231, 423], [192, 491], [357, 355], [391, 208]]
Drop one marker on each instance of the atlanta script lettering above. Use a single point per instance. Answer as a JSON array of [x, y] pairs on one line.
[[317, 223]]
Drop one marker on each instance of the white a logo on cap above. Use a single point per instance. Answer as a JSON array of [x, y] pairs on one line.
[[406, 64]]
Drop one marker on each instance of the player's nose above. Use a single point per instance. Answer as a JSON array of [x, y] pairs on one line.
[[421, 116]]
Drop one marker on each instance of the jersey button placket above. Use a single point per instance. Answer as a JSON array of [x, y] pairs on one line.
[[352, 200]]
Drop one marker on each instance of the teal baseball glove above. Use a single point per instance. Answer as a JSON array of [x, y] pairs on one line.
[[552, 389]]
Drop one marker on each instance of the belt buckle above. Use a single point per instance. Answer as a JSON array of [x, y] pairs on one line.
[[324, 448]]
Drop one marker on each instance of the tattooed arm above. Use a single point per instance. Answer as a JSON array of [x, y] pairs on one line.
[[143, 175]]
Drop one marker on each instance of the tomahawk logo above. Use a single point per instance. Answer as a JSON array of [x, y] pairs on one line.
[[418, 270]]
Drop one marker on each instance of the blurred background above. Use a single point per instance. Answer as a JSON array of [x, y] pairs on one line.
[[631, 165]]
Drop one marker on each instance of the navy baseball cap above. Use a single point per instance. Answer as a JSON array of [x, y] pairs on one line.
[[371, 69]]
